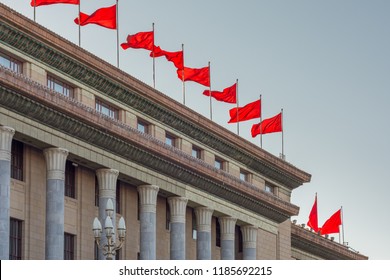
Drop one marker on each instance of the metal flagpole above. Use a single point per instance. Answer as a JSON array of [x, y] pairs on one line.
[[211, 113], [117, 35], [35, 5], [182, 77], [342, 223], [261, 132], [282, 135], [154, 63], [79, 24], [238, 123]]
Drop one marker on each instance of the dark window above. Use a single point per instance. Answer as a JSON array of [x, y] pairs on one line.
[[59, 86], [196, 152], [194, 230], [69, 246], [11, 63], [269, 189], [167, 216], [70, 180], [118, 197], [217, 234], [240, 239], [138, 206], [170, 140], [17, 160], [15, 239], [143, 126], [118, 254], [106, 109], [96, 192]]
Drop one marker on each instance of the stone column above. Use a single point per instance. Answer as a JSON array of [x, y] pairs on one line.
[[228, 226], [249, 238], [6, 134], [203, 240], [147, 216], [107, 190], [178, 206], [55, 204]]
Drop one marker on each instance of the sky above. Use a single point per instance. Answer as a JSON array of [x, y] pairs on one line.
[[326, 63]]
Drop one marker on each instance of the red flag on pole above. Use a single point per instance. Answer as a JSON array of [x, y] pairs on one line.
[[228, 95], [332, 225], [270, 125], [198, 75], [247, 112], [105, 17], [313, 217], [140, 40], [36, 3], [175, 57]]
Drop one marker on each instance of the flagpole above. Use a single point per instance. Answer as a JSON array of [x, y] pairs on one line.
[[261, 134], [79, 24], [282, 135], [342, 223], [182, 77], [154, 61], [117, 34], [238, 123], [211, 113], [35, 5]]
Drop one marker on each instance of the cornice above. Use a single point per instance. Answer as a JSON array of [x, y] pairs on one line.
[[37, 102], [320, 246], [86, 69]]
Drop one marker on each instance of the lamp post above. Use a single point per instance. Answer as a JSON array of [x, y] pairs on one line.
[[110, 248]]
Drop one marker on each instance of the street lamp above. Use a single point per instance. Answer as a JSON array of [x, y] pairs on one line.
[[110, 248]]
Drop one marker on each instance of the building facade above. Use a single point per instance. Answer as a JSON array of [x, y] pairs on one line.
[[76, 132]]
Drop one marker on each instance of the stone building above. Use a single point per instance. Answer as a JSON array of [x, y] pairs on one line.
[[76, 131]]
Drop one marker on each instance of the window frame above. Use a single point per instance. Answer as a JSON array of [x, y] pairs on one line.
[[145, 125], [197, 151], [15, 239], [70, 180], [69, 246], [102, 105], [17, 160], [221, 162], [245, 176], [15, 64], [53, 81], [170, 137]]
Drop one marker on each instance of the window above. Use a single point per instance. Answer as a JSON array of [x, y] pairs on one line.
[[118, 197], [59, 86], [106, 109], [269, 189], [217, 234], [96, 192], [196, 152], [11, 63], [170, 140], [69, 244], [70, 179], [244, 176], [142, 126], [240, 239], [167, 216], [194, 230], [219, 163], [15, 239], [17, 160]]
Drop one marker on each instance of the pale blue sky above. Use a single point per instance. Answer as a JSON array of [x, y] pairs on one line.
[[326, 63]]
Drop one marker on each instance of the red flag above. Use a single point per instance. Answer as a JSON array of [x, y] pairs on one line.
[[249, 111], [228, 95], [105, 17], [175, 57], [140, 40], [313, 217], [36, 3], [270, 125], [332, 224], [199, 75]]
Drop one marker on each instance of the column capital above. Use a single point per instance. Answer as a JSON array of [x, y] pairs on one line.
[[55, 162], [203, 218], [107, 182], [228, 225], [6, 135], [148, 197], [178, 206], [249, 236]]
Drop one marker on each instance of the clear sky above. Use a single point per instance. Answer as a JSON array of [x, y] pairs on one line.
[[326, 63]]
